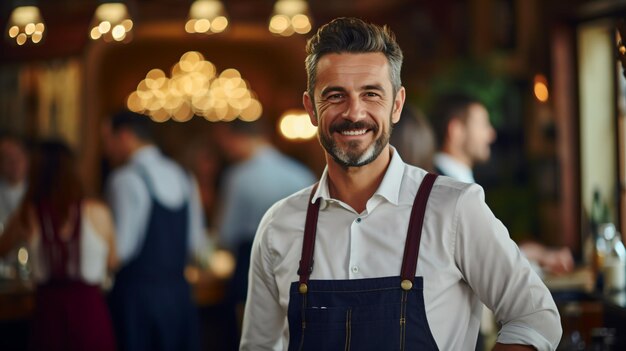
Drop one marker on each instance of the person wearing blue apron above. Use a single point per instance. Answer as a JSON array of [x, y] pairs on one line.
[[151, 300], [367, 291], [375, 314]]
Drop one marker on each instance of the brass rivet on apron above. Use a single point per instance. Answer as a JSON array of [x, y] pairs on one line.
[[406, 284], [303, 288]]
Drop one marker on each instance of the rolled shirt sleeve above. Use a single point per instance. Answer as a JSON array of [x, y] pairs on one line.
[[502, 277]]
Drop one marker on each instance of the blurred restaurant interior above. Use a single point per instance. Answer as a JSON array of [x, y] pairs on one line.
[[552, 73]]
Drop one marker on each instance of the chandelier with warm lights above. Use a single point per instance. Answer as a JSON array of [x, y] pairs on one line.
[[289, 17], [26, 23], [111, 22], [207, 17], [195, 88]]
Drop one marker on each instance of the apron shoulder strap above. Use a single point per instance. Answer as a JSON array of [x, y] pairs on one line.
[[308, 244], [414, 234]]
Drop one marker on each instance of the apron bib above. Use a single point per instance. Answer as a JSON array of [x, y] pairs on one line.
[[361, 314]]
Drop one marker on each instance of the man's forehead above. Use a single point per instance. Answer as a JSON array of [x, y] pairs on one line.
[[355, 61], [337, 69]]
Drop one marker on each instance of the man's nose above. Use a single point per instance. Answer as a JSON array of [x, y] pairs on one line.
[[354, 109]]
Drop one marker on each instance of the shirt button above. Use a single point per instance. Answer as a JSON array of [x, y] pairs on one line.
[[358, 220], [355, 269]]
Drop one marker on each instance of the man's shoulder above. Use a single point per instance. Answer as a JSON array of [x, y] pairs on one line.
[[123, 174], [415, 175], [296, 202], [288, 209], [446, 191]]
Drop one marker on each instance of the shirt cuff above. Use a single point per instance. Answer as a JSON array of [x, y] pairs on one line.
[[523, 335]]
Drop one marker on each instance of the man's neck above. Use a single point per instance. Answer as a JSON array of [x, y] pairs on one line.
[[356, 185], [253, 146]]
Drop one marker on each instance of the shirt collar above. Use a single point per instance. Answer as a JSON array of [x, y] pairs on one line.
[[389, 187], [453, 168]]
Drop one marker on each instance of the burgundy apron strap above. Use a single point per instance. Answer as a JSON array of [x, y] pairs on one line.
[[414, 234], [308, 244]]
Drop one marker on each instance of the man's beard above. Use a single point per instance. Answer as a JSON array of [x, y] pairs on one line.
[[351, 155]]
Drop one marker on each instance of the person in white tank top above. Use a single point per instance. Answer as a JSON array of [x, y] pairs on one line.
[[71, 240], [97, 252]]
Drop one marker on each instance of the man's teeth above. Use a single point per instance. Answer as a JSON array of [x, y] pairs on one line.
[[354, 132]]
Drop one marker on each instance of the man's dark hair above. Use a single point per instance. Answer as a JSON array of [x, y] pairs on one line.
[[448, 107], [353, 35], [138, 124]]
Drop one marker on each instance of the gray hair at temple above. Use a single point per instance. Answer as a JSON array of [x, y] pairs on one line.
[[353, 35]]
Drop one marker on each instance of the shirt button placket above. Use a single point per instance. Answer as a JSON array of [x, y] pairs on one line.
[[354, 268]]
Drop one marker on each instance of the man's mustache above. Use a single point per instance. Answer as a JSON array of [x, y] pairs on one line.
[[348, 125]]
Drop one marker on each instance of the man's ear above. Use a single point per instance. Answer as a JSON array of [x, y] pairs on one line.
[[307, 101], [456, 128], [398, 103]]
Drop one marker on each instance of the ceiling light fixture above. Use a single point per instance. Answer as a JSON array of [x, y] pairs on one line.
[[26, 23], [206, 17], [289, 17], [111, 22]]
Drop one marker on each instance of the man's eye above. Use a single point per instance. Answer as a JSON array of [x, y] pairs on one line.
[[371, 94], [334, 97]]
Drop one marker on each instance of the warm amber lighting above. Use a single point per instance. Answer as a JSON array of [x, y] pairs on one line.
[[22, 256], [195, 89], [301, 24], [26, 23], [219, 24], [295, 124], [289, 17], [541, 88], [206, 17], [222, 263], [111, 22]]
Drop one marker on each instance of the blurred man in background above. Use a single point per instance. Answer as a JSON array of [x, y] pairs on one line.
[[259, 176], [465, 134], [159, 221]]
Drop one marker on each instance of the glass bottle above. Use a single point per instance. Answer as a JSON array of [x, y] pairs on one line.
[[614, 262]]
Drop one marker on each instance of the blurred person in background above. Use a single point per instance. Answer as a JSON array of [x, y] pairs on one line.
[[13, 173], [414, 139], [72, 247], [465, 134], [159, 222], [259, 176]]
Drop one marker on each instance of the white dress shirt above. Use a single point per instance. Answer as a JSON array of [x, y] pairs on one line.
[[453, 168], [130, 201], [466, 256]]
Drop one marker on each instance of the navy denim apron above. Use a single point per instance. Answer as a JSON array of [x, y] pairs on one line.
[[361, 314], [151, 301]]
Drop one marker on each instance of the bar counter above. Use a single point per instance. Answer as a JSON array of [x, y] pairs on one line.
[[586, 312]]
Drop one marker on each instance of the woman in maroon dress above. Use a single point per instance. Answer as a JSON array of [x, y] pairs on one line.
[[71, 243]]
